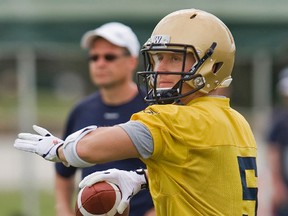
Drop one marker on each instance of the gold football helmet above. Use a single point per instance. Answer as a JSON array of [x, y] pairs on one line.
[[189, 31]]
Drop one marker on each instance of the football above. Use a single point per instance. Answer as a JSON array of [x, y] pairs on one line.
[[102, 198]]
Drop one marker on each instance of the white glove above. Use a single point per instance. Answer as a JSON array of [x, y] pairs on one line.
[[43, 143], [129, 182]]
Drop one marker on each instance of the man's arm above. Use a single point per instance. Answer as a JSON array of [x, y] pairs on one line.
[[102, 145], [88, 146], [64, 189]]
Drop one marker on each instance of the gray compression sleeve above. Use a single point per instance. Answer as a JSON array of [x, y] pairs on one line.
[[140, 136]]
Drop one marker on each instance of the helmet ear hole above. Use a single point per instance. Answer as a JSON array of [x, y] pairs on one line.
[[193, 16], [216, 67]]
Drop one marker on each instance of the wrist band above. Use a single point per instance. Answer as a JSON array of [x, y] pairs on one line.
[[142, 172], [57, 153], [69, 147]]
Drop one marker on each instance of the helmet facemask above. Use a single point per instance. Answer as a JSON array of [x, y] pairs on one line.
[[149, 77]]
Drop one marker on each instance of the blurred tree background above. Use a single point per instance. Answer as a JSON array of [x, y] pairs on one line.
[[50, 31], [44, 72]]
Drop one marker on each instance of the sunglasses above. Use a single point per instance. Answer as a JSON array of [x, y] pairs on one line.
[[107, 57]]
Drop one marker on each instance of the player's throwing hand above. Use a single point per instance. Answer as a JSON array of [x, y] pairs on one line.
[[43, 143]]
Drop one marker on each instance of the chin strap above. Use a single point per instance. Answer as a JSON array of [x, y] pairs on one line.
[[208, 53]]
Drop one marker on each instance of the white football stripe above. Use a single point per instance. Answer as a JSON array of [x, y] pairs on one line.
[[113, 210], [80, 206]]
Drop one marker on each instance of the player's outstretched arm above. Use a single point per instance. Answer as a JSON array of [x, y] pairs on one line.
[[129, 182], [86, 147]]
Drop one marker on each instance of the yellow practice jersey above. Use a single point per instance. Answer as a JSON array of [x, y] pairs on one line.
[[204, 159]]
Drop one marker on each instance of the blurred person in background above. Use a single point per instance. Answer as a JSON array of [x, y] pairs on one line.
[[278, 148], [113, 58]]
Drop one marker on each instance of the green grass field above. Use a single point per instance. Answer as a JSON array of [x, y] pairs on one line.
[[11, 204]]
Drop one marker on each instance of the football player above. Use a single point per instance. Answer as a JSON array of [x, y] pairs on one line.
[[200, 153]]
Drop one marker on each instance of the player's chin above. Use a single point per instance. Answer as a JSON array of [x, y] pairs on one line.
[[165, 85]]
